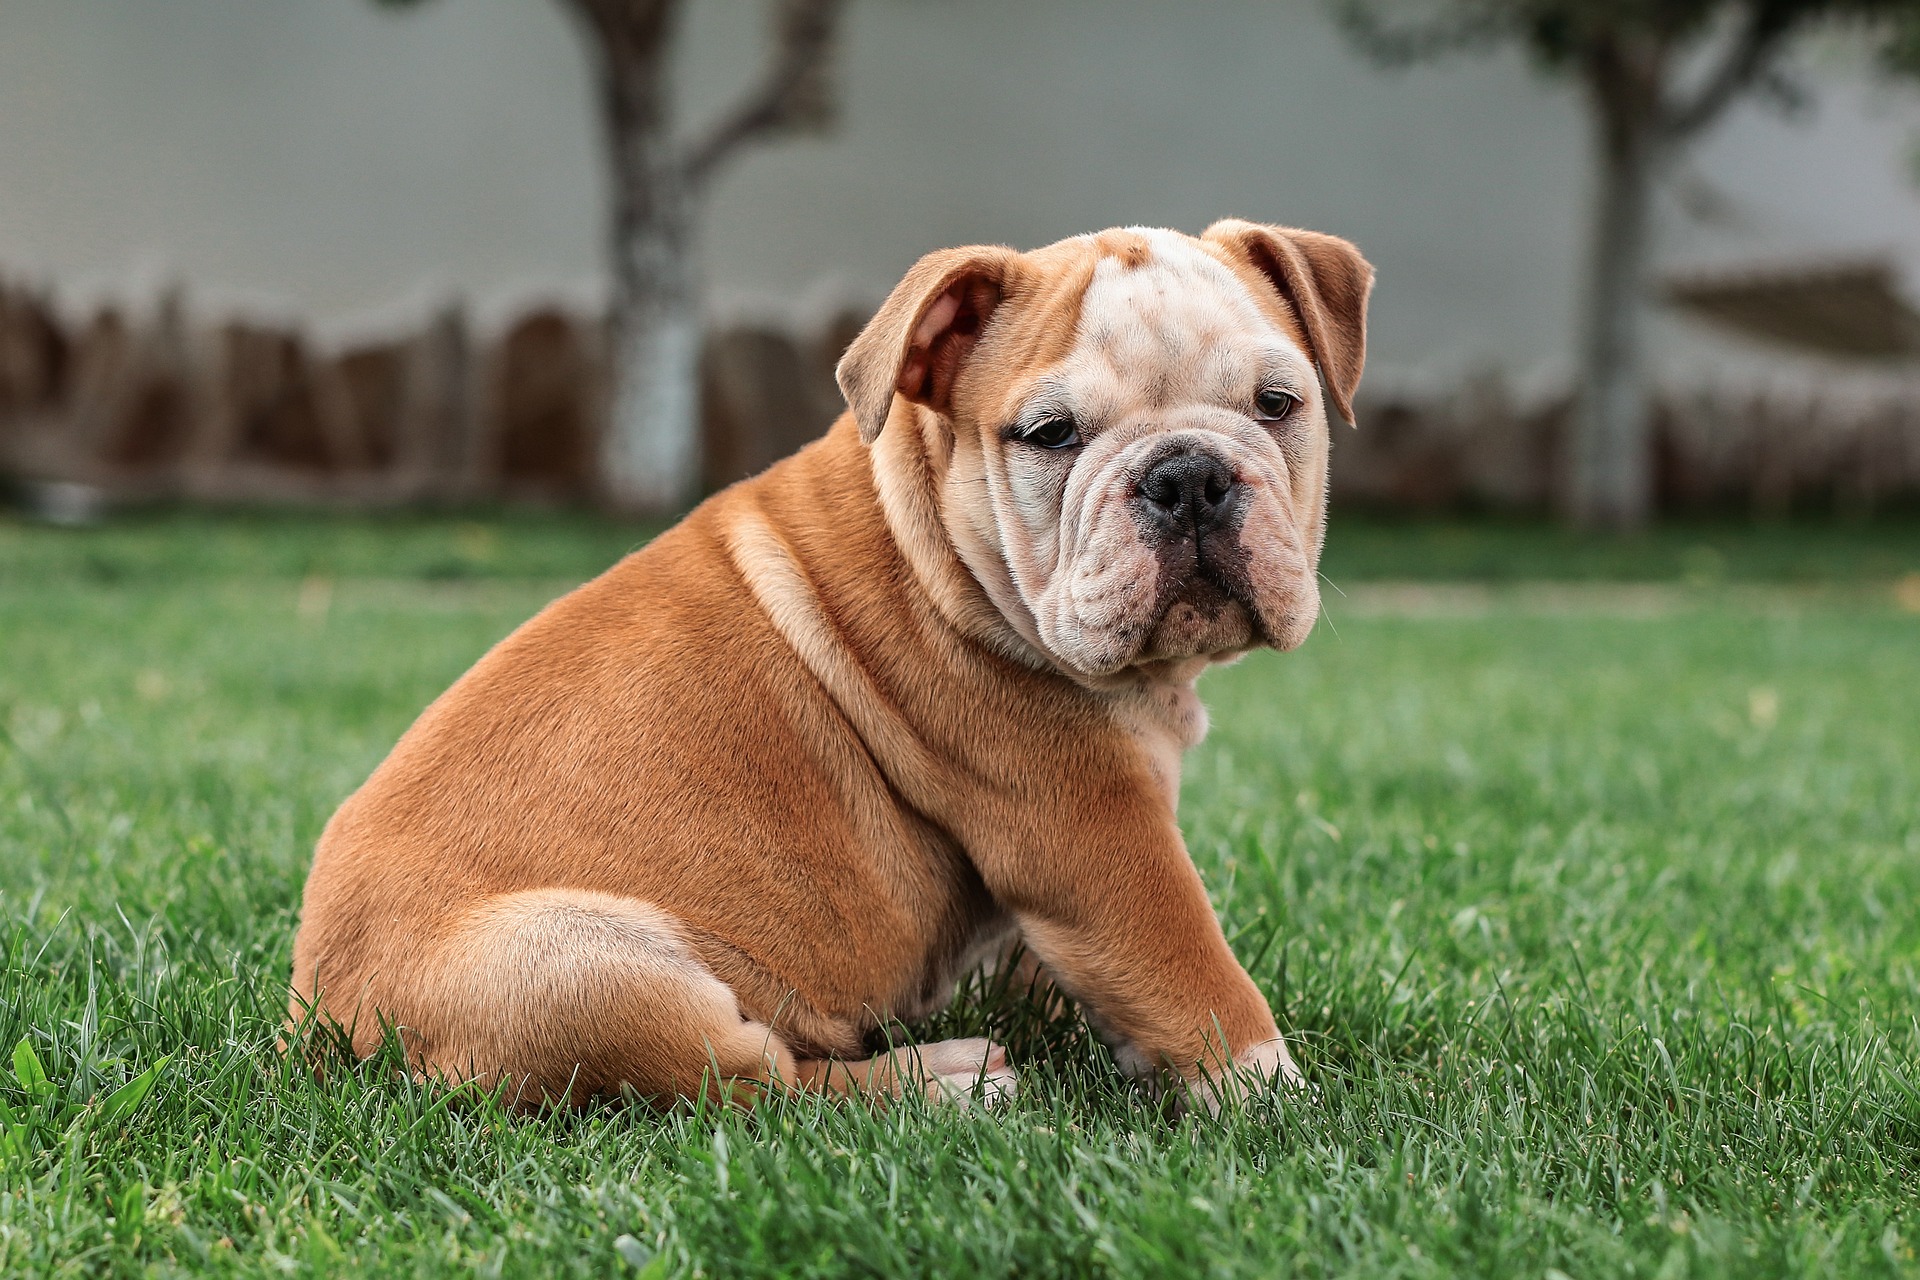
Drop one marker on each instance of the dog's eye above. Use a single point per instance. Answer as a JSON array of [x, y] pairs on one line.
[[1057, 432], [1274, 403]]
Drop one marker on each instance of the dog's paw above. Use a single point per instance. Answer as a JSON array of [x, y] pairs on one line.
[[964, 1072], [1256, 1069]]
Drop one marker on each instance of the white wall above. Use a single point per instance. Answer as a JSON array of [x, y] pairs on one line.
[[329, 159]]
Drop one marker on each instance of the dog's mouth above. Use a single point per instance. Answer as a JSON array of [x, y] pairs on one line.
[[1204, 600]]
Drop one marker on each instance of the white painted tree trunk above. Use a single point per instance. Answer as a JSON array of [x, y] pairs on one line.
[[650, 451], [650, 454], [1610, 480]]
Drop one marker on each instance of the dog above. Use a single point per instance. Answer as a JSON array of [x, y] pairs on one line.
[[859, 724]]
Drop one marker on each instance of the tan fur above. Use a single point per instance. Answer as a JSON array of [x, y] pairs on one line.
[[856, 724]]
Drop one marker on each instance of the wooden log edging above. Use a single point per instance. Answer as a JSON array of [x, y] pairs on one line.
[[158, 406], [1766, 447]]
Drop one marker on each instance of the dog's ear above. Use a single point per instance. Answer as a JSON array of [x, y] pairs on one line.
[[917, 341], [1325, 280]]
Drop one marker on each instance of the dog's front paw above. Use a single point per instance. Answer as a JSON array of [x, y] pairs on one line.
[[1256, 1069], [966, 1071]]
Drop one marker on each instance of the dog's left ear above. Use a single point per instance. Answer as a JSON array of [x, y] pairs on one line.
[[915, 344], [1325, 280]]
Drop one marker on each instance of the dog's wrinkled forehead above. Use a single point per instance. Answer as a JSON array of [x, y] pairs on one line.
[[1165, 319]]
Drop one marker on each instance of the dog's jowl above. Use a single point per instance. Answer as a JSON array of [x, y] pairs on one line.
[[860, 724]]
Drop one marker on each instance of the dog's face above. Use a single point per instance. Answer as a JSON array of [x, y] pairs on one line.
[[1127, 431]]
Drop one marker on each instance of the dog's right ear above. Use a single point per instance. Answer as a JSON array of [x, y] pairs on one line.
[[915, 344], [1326, 281]]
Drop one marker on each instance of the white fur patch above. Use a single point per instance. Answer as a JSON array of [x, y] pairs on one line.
[[1255, 1069], [1178, 328]]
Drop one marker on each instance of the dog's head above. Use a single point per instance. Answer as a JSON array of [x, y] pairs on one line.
[[1126, 433]]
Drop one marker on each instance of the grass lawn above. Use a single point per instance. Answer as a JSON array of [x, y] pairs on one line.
[[1594, 912]]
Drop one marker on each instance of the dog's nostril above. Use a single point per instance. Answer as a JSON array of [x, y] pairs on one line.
[[1162, 489]]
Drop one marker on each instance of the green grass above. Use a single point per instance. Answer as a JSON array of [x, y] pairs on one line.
[[1598, 930], [182, 544]]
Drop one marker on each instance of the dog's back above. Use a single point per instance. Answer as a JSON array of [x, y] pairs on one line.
[[589, 785]]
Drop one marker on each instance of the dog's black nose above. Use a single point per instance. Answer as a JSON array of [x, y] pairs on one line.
[[1189, 490]]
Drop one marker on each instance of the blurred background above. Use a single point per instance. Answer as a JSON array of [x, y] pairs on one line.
[[342, 253], [1579, 852]]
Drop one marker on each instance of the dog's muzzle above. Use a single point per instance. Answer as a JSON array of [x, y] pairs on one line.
[[1190, 505]]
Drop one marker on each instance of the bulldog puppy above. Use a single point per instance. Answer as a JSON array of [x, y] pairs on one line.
[[857, 724]]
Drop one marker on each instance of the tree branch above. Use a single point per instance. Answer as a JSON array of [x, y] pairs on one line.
[[1743, 62], [1900, 47], [623, 27], [795, 94], [1417, 33]]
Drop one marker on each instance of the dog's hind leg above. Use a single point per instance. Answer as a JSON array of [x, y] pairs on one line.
[[563, 995], [566, 994], [944, 1071]]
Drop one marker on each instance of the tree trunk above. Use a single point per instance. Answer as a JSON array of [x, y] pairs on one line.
[[1610, 473], [649, 454]]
